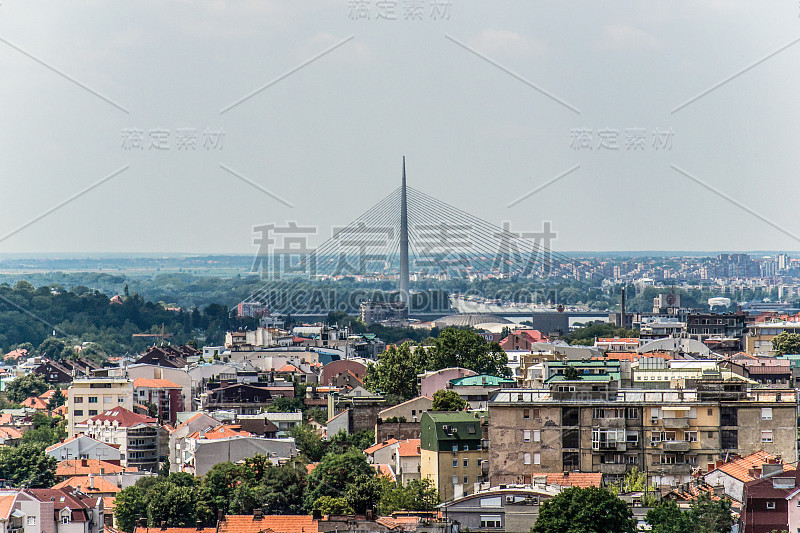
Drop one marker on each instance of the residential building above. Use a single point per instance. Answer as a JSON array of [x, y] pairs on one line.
[[510, 510], [87, 397], [141, 440], [166, 395], [66, 511], [402, 420], [588, 426], [453, 451], [434, 380], [84, 447], [200, 452], [733, 474], [772, 503], [475, 390], [522, 339], [243, 399], [373, 312]]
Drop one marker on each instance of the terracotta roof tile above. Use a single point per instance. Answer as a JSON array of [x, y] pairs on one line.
[[276, 523], [123, 417], [576, 479], [409, 448], [742, 468], [6, 504], [375, 447], [84, 467], [154, 384], [84, 483]]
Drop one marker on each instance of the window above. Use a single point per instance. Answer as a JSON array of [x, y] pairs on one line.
[[710, 434], [455, 447], [526, 414], [489, 521], [536, 413], [526, 435], [537, 435], [455, 463], [766, 413], [65, 519], [466, 480], [78, 412], [728, 416], [31, 520], [690, 436], [92, 412], [78, 399], [527, 459], [537, 458], [766, 436], [466, 463], [92, 399], [455, 480], [770, 505], [120, 400], [710, 412], [465, 447]]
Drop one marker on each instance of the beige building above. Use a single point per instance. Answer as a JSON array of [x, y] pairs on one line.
[[453, 452], [89, 397], [669, 434]]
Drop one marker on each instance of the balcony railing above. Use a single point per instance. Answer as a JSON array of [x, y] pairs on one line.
[[677, 446], [675, 423]]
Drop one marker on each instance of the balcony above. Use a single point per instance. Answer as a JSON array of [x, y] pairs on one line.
[[675, 423], [613, 423], [677, 469], [677, 446], [611, 468]]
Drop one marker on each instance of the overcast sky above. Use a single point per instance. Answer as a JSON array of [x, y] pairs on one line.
[[484, 99]]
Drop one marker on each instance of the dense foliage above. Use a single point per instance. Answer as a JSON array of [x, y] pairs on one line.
[[589, 510], [447, 400], [704, 516], [27, 465]]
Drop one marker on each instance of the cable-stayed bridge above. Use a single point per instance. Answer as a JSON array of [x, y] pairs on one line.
[[408, 236]]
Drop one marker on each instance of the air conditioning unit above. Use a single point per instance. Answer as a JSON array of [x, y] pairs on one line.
[[509, 499], [653, 444]]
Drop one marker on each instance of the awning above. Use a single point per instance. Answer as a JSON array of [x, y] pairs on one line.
[[676, 408]]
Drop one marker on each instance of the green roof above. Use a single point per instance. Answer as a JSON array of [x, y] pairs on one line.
[[463, 427], [482, 379]]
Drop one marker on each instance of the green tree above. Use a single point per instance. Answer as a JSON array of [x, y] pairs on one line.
[[365, 492], [56, 400], [704, 516], [27, 465], [309, 443], [571, 373], [396, 371], [447, 400], [285, 405], [466, 349], [330, 505], [130, 505], [55, 348], [417, 495], [589, 510], [786, 343], [335, 473], [173, 504], [164, 470], [216, 490], [26, 386]]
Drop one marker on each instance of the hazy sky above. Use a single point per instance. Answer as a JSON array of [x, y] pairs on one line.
[[484, 99]]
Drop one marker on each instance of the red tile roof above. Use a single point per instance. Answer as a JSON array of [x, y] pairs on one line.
[[154, 383], [10, 433], [6, 504], [84, 483], [743, 468], [381, 445], [123, 417], [384, 470], [140, 529], [575, 479], [84, 467], [34, 403], [409, 448], [221, 432], [276, 523]]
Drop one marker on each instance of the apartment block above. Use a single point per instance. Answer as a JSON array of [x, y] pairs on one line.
[[669, 434], [453, 451], [89, 397]]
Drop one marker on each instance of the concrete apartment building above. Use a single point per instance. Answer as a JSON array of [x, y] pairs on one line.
[[593, 427], [453, 451], [142, 442], [89, 397]]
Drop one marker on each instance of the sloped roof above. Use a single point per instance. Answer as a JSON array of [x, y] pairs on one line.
[[385, 470], [84, 483], [155, 383], [6, 504], [84, 467], [276, 523], [399, 523], [221, 432], [10, 433], [375, 447], [34, 403], [576, 479], [123, 417], [741, 467], [174, 530], [409, 448]]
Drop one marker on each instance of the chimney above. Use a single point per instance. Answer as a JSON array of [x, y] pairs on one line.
[[258, 514], [84, 462], [769, 470], [316, 514], [91, 481]]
